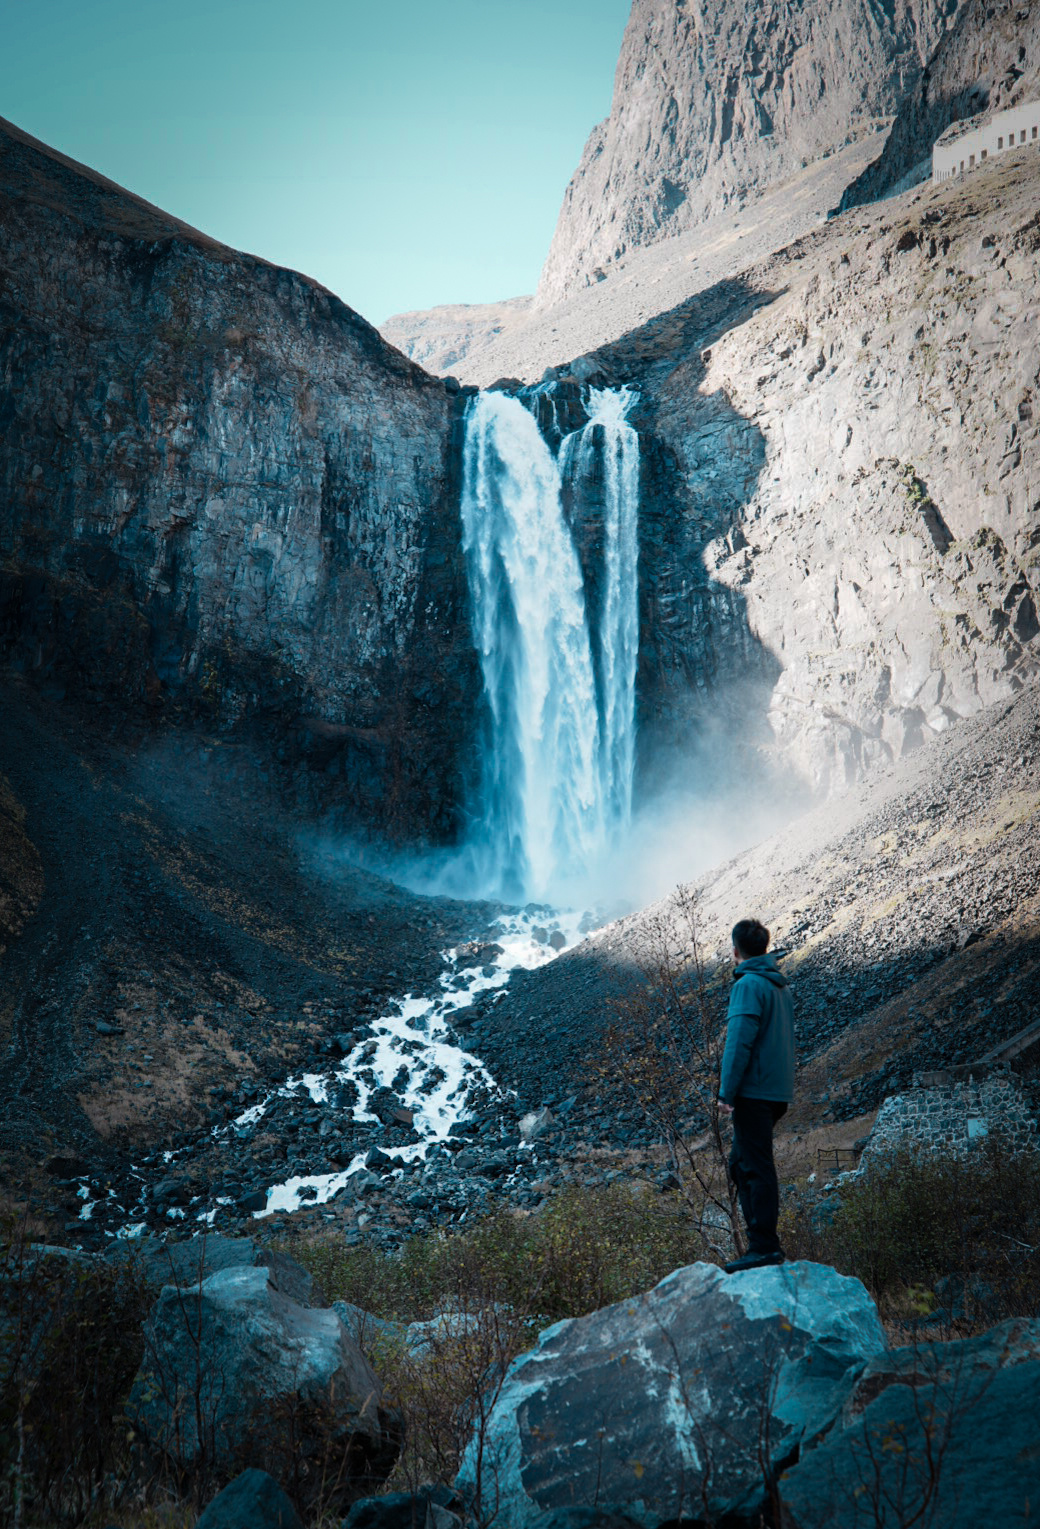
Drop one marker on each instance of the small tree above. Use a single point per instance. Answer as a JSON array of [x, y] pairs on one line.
[[666, 1044]]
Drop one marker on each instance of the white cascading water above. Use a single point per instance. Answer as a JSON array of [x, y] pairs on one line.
[[557, 771], [617, 648], [541, 805]]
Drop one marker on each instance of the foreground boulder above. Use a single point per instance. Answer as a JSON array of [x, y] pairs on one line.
[[429, 1508], [187, 1262], [369, 1332], [253, 1500], [677, 1402], [943, 1433], [236, 1372]]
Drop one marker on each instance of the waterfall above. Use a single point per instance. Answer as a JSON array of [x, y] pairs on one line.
[[556, 780], [617, 648]]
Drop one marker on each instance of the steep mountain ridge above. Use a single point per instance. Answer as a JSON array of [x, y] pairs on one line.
[[223, 493], [716, 99], [442, 339], [484, 342], [853, 437]]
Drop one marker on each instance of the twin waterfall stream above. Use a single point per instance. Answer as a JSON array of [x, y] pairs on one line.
[[559, 673]]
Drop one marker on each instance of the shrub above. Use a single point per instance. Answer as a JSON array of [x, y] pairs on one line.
[[914, 1219], [584, 1250], [70, 1344], [666, 1048]]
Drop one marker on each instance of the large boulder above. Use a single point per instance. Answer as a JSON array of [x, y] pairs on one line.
[[186, 1262], [236, 1372], [253, 1500], [370, 1333], [429, 1508], [679, 1400], [939, 1433]]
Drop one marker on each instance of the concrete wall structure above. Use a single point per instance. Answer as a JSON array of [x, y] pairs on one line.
[[965, 145]]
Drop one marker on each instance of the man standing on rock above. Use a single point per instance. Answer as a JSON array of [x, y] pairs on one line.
[[757, 1085]]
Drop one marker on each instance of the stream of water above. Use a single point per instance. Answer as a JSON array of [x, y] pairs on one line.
[[414, 1052], [559, 750]]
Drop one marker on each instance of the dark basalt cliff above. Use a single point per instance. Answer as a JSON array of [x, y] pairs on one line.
[[222, 494]]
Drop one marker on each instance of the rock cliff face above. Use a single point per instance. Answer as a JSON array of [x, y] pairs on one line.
[[716, 99], [220, 490], [223, 492], [988, 61], [848, 456]]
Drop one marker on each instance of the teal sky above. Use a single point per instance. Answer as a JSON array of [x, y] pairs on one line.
[[404, 154]]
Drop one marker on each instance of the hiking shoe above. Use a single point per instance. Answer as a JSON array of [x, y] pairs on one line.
[[754, 1261]]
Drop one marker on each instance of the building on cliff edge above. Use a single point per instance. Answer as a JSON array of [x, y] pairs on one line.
[[965, 144]]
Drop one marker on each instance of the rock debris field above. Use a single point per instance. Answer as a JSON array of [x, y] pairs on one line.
[[910, 910]]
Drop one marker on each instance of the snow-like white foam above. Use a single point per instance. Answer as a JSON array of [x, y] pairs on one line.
[[247, 1118], [414, 1052]]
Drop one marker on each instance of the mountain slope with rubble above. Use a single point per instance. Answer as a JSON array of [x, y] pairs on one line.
[[909, 908]]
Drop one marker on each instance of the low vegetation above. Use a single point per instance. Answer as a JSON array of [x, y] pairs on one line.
[[931, 1235], [946, 1246], [584, 1250]]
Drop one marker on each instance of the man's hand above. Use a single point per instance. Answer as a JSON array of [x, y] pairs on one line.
[[724, 1108]]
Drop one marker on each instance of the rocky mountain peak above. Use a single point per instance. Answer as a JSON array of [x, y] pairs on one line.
[[715, 100], [987, 61]]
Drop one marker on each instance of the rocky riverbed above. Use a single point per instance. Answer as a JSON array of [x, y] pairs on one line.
[[218, 1025]]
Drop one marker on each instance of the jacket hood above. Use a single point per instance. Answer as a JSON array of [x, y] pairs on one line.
[[761, 966]]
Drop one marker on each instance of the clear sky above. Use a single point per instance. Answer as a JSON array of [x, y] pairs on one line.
[[403, 152]]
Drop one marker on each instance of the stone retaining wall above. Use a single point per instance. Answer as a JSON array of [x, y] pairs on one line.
[[941, 1113]]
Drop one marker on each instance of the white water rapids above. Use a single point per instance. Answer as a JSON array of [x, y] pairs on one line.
[[415, 1038], [556, 788], [410, 1050]]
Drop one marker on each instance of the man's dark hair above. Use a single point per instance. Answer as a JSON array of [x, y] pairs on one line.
[[751, 938]]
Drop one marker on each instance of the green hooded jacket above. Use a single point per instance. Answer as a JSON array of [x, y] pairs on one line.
[[758, 1062]]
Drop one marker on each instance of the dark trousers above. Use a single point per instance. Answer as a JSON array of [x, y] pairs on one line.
[[754, 1172]]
